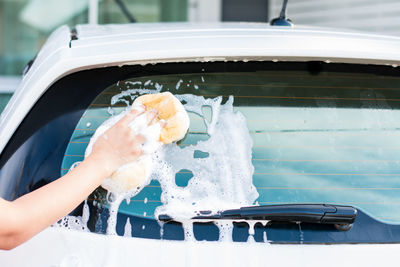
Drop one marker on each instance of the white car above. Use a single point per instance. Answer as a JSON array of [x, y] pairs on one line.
[[279, 115]]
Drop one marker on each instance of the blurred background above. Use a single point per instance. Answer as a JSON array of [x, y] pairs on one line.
[[25, 24]]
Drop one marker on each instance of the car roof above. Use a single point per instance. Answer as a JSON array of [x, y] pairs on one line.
[[220, 41], [91, 46]]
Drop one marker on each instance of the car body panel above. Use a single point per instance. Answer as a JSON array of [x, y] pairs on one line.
[[63, 247]]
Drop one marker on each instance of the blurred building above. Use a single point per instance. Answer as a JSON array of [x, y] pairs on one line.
[[25, 24], [381, 16]]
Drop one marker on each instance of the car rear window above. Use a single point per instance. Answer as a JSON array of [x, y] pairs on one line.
[[318, 136], [321, 133]]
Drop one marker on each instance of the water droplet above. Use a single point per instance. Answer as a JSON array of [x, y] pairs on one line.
[[265, 238], [178, 84], [74, 165], [301, 234], [128, 228]]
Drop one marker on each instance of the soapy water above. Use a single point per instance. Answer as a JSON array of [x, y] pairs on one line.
[[140, 126], [75, 222], [72, 223], [222, 180], [128, 228]]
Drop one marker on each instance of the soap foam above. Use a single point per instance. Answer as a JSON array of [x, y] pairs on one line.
[[225, 230], [119, 189], [113, 204], [144, 162], [133, 92], [128, 228], [72, 223], [221, 181]]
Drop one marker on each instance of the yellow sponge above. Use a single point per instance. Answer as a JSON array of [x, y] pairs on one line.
[[171, 110], [131, 176], [135, 175]]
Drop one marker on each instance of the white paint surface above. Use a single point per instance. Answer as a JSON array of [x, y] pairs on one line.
[[58, 246]]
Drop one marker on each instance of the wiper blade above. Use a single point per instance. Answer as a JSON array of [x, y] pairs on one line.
[[309, 213]]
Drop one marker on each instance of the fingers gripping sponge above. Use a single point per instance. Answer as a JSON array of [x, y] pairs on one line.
[[172, 111], [136, 174]]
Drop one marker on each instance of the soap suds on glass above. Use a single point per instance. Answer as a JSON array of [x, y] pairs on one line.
[[178, 84], [128, 228], [222, 180]]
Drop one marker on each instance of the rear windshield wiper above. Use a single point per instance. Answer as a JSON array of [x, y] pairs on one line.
[[341, 216]]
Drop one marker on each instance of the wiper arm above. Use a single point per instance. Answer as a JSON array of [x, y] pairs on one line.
[[309, 213]]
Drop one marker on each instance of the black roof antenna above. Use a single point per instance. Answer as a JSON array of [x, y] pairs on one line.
[[282, 20]]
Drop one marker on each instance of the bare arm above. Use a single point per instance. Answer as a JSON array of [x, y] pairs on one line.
[[28, 215]]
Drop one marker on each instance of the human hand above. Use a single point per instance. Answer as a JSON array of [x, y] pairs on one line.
[[120, 144]]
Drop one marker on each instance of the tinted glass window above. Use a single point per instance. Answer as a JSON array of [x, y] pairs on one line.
[[322, 133]]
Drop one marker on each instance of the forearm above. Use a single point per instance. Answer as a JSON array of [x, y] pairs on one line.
[[37, 210], [31, 213]]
